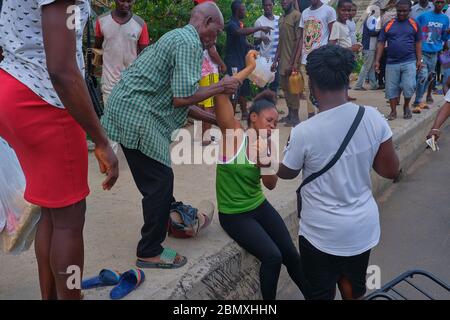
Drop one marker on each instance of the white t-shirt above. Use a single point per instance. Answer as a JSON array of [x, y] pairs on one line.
[[339, 213], [23, 44], [341, 33], [268, 51], [120, 43], [315, 28], [447, 96], [417, 10]]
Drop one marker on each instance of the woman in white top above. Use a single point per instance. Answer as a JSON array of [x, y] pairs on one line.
[[339, 222], [45, 113]]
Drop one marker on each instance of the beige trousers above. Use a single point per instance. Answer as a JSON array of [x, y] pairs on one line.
[[310, 106], [292, 100]]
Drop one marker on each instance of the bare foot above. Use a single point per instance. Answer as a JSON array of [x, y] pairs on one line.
[[407, 113]]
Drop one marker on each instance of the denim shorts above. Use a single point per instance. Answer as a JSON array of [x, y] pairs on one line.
[[400, 76]]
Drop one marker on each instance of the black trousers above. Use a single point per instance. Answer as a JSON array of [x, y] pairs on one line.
[[324, 270], [263, 234], [381, 76], [155, 182]]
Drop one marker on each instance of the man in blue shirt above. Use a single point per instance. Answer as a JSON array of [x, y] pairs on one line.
[[433, 27], [237, 47], [404, 56]]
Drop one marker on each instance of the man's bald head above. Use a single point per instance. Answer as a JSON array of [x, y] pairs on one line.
[[208, 21], [207, 9]]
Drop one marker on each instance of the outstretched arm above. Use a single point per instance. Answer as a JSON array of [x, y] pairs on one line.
[[224, 109], [69, 84], [198, 113]]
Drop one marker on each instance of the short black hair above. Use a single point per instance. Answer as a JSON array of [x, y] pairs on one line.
[[342, 2], [264, 100], [263, 1], [404, 2], [329, 67], [235, 5]]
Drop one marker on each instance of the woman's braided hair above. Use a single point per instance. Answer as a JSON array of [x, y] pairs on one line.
[[329, 67]]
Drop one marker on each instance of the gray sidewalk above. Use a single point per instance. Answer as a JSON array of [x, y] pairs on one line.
[[415, 226]]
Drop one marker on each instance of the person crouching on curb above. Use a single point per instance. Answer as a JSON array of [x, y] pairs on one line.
[[244, 213]]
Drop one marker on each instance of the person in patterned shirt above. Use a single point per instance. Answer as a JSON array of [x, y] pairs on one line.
[[45, 114], [150, 102]]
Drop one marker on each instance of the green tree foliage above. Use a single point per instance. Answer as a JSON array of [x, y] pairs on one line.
[[165, 15]]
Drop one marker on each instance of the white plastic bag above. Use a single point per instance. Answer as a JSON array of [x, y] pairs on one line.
[[18, 218], [262, 75]]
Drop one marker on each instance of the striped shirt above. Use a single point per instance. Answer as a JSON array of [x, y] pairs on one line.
[[139, 113], [268, 51]]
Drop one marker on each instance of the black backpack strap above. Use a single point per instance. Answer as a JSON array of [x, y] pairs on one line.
[[89, 67], [340, 151]]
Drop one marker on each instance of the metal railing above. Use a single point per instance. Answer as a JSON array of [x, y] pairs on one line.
[[390, 292]]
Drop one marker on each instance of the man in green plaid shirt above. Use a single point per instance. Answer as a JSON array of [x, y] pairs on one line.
[[152, 100]]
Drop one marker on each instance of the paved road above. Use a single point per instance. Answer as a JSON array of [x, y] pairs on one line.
[[415, 225]]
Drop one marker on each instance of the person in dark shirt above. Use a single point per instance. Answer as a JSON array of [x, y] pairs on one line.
[[301, 5], [404, 57], [237, 47]]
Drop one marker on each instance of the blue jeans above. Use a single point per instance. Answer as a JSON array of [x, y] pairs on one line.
[[429, 65], [446, 75], [400, 76], [367, 70]]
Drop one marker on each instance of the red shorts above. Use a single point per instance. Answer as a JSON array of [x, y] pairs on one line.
[[50, 145]]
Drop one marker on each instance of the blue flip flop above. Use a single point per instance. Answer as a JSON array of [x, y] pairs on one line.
[[106, 277], [129, 281]]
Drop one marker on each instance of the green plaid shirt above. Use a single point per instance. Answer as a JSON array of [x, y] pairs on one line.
[[139, 113]]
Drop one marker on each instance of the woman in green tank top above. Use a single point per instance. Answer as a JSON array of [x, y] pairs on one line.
[[244, 213]]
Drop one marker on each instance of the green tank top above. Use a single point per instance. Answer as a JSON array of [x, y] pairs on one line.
[[238, 184]]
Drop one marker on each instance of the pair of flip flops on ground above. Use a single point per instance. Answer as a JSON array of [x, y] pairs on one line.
[[123, 283]]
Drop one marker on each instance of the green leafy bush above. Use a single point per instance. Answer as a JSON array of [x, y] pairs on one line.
[[165, 15]]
